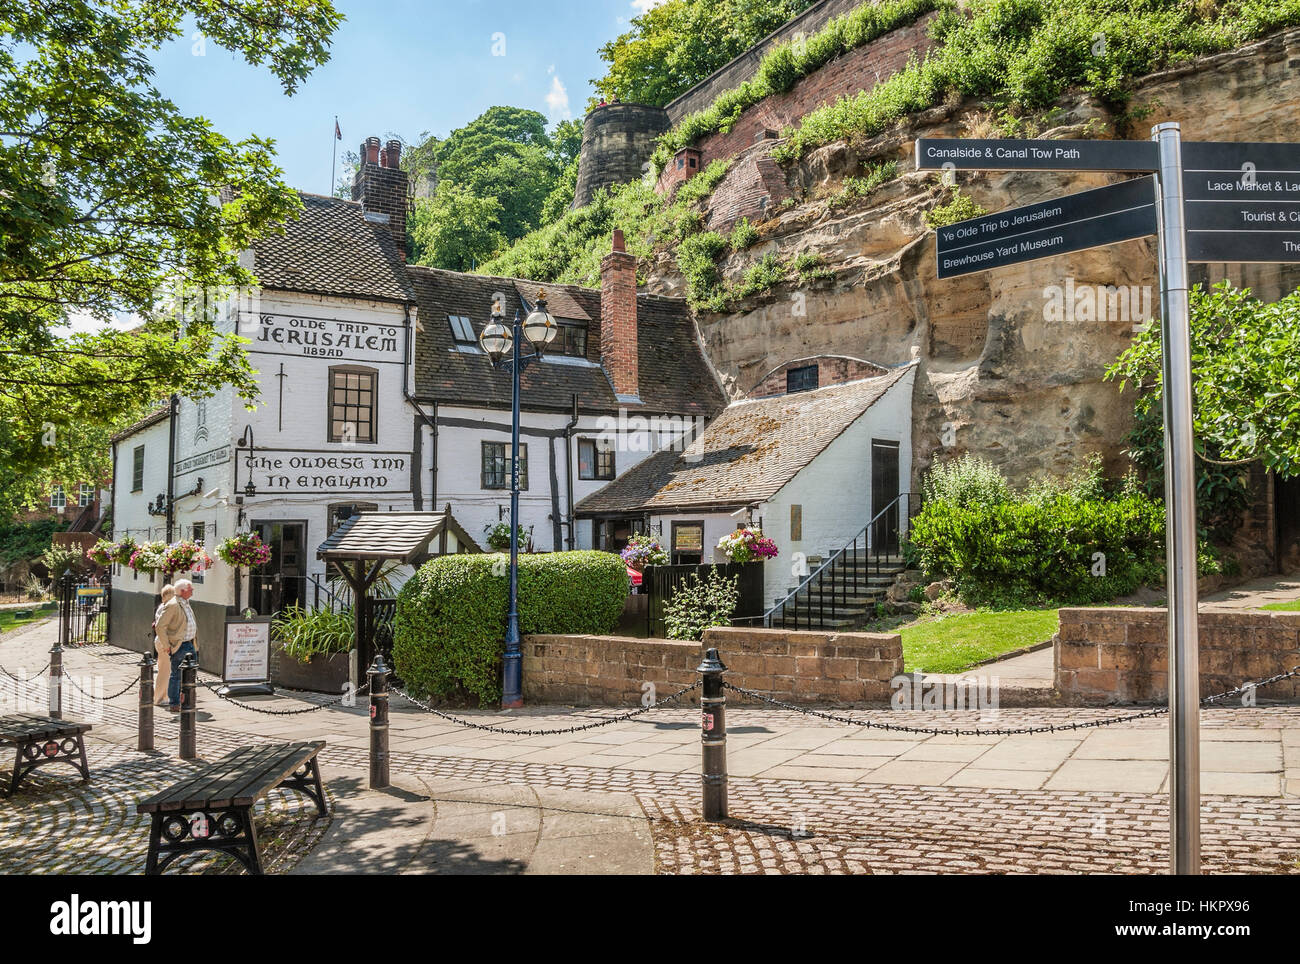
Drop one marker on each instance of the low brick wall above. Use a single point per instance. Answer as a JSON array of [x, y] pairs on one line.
[[798, 667], [1120, 655]]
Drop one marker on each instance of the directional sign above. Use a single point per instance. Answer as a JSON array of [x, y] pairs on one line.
[[1035, 155], [1242, 202], [1117, 212]]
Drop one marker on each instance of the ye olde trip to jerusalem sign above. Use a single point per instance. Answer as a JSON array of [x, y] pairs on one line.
[[288, 472], [1242, 201], [324, 338]]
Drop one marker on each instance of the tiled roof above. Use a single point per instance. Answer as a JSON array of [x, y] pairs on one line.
[[674, 376], [331, 249], [389, 535], [153, 418], [749, 452]]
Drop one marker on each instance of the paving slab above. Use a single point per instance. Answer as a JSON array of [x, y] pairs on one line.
[[1133, 775]]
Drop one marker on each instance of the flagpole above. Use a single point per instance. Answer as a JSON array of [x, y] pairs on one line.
[[334, 143]]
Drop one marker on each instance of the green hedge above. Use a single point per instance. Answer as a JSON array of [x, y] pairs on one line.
[[450, 625], [1029, 552]]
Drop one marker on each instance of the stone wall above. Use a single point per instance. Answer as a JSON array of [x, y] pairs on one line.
[[742, 68], [617, 141], [1119, 655], [831, 370], [800, 667], [998, 378], [858, 70]]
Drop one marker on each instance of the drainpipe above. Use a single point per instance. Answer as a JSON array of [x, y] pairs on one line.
[[171, 466], [568, 469], [411, 400]]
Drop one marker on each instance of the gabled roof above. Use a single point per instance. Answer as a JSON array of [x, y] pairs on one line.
[[675, 378], [747, 455], [404, 536], [153, 418], [331, 249]]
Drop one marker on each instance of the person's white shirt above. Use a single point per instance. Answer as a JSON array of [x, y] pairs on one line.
[[191, 627]]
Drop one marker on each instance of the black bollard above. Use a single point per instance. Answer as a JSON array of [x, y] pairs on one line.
[[378, 724], [713, 736], [189, 707], [144, 740], [56, 681]]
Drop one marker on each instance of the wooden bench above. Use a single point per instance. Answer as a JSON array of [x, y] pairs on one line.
[[41, 740], [213, 809]]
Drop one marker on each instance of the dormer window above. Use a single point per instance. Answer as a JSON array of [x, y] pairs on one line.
[[462, 332], [571, 339]]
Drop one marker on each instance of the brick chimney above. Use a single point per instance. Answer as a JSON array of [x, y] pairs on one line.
[[618, 330], [381, 187]]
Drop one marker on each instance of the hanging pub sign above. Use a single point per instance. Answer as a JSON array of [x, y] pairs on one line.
[[246, 657]]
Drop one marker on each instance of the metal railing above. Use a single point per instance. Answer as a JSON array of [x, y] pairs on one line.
[[848, 571]]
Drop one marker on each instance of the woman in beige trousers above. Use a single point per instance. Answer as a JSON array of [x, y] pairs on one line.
[[164, 653]]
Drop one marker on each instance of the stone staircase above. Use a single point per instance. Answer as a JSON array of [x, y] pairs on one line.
[[842, 595]]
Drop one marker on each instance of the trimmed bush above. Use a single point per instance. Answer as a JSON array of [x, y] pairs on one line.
[[450, 624], [1007, 549]]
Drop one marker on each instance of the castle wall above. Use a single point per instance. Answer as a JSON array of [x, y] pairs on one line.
[[742, 68], [617, 141]]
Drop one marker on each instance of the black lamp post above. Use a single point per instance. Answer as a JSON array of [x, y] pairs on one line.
[[497, 341]]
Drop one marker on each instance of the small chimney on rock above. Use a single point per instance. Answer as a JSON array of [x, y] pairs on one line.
[[618, 326], [382, 188]]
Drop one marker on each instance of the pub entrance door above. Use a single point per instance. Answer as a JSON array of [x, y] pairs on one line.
[[282, 581]]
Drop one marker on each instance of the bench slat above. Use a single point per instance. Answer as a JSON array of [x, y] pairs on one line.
[[23, 727], [219, 792], [197, 785], [238, 779], [275, 773]]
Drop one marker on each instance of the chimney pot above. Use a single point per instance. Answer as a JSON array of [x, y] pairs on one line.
[[618, 240], [394, 153], [371, 155]]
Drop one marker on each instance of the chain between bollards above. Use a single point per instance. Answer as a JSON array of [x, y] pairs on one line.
[[378, 673], [189, 707], [713, 736], [144, 740]]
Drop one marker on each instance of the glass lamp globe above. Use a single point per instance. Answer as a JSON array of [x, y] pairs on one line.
[[539, 327], [496, 339]]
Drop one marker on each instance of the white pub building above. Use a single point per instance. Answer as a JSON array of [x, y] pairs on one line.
[[374, 395]]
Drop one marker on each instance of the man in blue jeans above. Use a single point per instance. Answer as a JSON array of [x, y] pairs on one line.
[[177, 628]]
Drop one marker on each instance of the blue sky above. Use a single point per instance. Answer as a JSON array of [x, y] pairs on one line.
[[402, 68]]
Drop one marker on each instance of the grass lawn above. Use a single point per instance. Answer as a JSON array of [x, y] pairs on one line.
[[9, 621], [1285, 607], [951, 644]]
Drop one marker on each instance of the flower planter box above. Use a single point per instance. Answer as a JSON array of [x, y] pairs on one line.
[[321, 674]]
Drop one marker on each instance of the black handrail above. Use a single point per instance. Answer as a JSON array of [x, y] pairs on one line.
[[833, 564]]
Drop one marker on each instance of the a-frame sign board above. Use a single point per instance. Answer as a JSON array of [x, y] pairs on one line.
[[1205, 202]]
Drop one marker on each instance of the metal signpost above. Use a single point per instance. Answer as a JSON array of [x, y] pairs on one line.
[[1206, 202]]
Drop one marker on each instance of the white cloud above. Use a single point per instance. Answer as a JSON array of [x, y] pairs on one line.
[[557, 100]]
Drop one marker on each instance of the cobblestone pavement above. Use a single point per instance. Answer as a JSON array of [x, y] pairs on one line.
[[57, 825], [812, 796]]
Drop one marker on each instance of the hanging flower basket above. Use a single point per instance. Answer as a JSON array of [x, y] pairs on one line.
[[101, 553], [747, 545], [643, 550], [244, 549], [185, 556], [148, 557], [122, 550]]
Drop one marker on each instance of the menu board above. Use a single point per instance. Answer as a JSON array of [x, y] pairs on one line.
[[247, 654]]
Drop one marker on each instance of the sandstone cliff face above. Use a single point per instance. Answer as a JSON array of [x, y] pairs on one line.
[[1000, 376]]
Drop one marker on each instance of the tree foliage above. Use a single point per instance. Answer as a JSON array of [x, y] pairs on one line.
[[1246, 379], [503, 169], [110, 194], [675, 45]]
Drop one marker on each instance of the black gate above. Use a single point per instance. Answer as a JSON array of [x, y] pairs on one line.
[[83, 611], [660, 584]]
